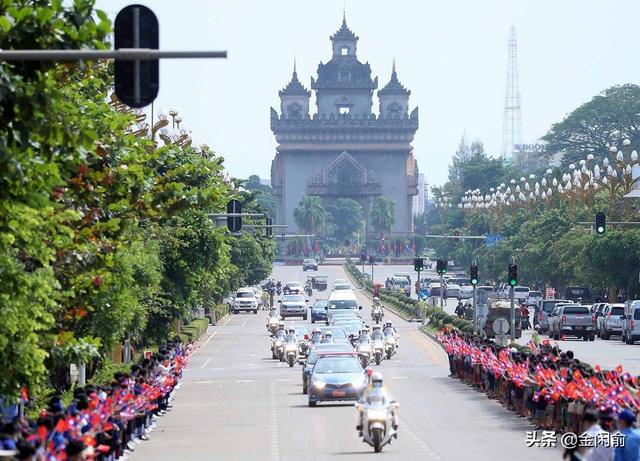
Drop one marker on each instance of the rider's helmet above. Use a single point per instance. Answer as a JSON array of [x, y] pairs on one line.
[[376, 300], [281, 326], [376, 379], [376, 327], [327, 334], [292, 331], [388, 324], [316, 331]]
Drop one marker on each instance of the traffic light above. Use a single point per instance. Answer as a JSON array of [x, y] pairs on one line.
[[269, 228], [513, 275], [363, 258], [474, 274], [441, 266], [418, 264], [371, 259], [136, 82], [234, 223], [601, 223]]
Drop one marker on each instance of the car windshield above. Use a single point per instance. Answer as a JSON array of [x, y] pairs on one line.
[[578, 310], [548, 306], [518, 289], [309, 261], [294, 284], [636, 314], [292, 298], [342, 286], [337, 365], [344, 304], [617, 310], [536, 294], [245, 294], [320, 303], [336, 332]]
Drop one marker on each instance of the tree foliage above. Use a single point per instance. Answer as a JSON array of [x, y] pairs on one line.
[[310, 215], [383, 214], [347, 218]]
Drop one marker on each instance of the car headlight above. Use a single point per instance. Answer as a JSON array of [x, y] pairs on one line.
[[377, 414], [318, 384]]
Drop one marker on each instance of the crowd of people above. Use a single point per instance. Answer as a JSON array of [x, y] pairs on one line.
[[557, 391], [102, 423]]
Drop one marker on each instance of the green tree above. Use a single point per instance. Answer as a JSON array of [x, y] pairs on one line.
[[383, 214], [347, 218], [604, 121], [310, 216]]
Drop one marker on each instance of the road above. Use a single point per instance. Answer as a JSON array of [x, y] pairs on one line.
[[237, 403], [608, 354]]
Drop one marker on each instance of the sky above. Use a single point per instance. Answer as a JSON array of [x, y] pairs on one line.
[[451, 54]]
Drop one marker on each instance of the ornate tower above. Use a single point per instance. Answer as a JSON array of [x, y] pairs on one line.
[[512, 123], [344, 149]]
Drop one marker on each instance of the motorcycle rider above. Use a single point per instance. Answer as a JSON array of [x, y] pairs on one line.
[[377, 393], [328, 338], [390, 332], [316, 336], [291, 336], [377, 335], [377, 308], [364, 337], [308, 287]]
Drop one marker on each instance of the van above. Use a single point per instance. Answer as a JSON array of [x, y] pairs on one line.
[[340, 300], [406, 275], [631, 322], [578, 294]]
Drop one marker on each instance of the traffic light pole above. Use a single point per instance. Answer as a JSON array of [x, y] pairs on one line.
[[476, 329], [441, 291], [512, 291]]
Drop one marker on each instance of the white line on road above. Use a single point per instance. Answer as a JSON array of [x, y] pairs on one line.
[[227, 321], [275, 443], [283, 380], [421, 443], [243, 323], [244, 380], [206, 362], [399, 377], [203, 382]]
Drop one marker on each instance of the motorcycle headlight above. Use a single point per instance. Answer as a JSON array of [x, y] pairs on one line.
[[278, 343], [389, 341], [318, 384], [377, 414], [357, 382], [292, 347]]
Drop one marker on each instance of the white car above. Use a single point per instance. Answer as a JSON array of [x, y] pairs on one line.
[[521, 294], [466, 292], [245, 300], [452, 290], [534, 298], [341, 287], [435, 288]]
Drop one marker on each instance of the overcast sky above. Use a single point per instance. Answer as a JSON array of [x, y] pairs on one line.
[[451, 54]]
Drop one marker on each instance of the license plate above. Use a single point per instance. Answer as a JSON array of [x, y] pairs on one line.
[[579, 328], [338, 393]]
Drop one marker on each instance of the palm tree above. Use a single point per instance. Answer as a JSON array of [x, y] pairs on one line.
[[383, 214], [310, 216]]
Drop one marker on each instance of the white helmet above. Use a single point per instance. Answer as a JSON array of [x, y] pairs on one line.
[[376, 378]]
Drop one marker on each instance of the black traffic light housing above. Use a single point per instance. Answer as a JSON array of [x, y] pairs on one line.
[[371, 259], [418, 264], [234, 223], [473, 272], [363, 258], [601, 223], [441, 266], [513, 275], [269, 228]]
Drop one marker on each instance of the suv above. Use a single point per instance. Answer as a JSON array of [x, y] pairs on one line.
[[544, 309], [309, 264], [520, 294], [401, 283], [572, 320], [245, 300], [292, 288], [534, 298], [631, 322], [293, 306], [610, 322]]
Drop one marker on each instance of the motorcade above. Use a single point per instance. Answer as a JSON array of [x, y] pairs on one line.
[[466, 292], [318, 282], [401, 283], [293, 305], [572, 320], [292, 288], [336, 377], [342, 300], [609, 323], [312, 358], [534, 298], [290, 354], [452, 290], [277, 344], [244, 300], [309, 264], [319, 310], [337, 332], [631, 322], [578, 294], [544, 309], [377, 422]]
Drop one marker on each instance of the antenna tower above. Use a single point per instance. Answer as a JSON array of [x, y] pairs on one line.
[[512, 124]]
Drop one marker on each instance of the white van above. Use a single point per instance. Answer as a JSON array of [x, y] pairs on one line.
[[631, 322], [340, 300]]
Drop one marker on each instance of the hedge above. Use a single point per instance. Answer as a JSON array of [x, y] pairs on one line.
[[194, 330]]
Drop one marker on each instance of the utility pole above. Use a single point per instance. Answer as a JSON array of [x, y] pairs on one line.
[[513, 281], [473, 272], [372, 260]]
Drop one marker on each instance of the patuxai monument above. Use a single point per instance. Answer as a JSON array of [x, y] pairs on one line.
[[344, 148]]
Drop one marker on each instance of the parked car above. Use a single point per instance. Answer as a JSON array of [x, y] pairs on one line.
[[452, 290], [534, 298], [597, 310], [245, 300], [466, 292], [610, 322], [631, 322], [544, 309], [572, 320], [309, 264]]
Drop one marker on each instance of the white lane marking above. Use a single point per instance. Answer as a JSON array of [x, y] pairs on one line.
[[209, 339], [228, 320], [206, 362], [225, 332], [244, 380], [275, 443], [283, 380], [203, 382], [419, 442], [399, 377], [243, 323]]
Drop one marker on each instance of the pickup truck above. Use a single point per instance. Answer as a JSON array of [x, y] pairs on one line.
[[572, 320]]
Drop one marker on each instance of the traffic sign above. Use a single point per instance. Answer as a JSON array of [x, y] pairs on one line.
[[234, 223], [501, 326], [550, 293], [136, 82]]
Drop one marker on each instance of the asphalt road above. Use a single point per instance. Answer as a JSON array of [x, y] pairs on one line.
[[237, 403], [606, 353]]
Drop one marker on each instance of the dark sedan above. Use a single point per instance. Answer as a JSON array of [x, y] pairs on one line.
[[336, 377], [319, 310], [313, 358]]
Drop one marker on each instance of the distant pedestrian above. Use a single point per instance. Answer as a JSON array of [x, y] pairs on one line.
[[459, 310]]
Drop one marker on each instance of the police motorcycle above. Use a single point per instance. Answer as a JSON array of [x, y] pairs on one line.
[[378, 347], [378, 424], [376, 311], [273, 320], [363, 347], [277, 342], [308, 287], [290, 354], [390, 340]]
